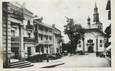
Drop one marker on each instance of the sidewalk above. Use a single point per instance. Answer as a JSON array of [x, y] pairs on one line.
[[45, 64]]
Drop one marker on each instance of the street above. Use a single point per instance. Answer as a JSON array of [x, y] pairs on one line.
[[89, 60]]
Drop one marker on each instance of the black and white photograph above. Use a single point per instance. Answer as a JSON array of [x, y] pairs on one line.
[[48, 34]]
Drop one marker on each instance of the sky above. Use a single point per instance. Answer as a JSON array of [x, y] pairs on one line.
[[54, 11]]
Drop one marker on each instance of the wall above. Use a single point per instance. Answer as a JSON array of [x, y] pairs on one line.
[[93, 36]]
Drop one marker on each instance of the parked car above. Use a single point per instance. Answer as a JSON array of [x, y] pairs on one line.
[[36, 58], [54, 56], [80, 52], [100, 54], [103, 54], [108, 53], [51, 57]]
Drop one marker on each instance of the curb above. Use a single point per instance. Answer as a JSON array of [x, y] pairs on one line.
[[54, 65]]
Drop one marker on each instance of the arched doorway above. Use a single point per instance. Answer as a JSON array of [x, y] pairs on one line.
[[90, 45], [90, 49]]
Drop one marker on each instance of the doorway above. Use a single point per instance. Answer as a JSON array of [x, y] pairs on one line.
[[15, 53], [90, 49], [29, 51]]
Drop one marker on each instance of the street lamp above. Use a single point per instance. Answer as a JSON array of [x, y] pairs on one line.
[[29, 28]]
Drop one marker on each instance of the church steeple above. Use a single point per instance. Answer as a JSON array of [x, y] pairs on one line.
[[96, 20], [95, 5], [96, 14]]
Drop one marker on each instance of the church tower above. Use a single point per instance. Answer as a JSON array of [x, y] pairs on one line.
[[96, 20], [96, 14]]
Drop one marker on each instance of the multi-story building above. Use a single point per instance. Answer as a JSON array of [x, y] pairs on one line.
[[57, 40], [28, 33], [18, 36], [44, 34], [24, 36], [12, 31]]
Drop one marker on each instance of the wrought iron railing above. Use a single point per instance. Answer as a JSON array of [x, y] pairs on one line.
[[27, 39], [15, 39]]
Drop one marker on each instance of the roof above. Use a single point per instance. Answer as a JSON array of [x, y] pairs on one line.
[[43, 24], [108, 6], [94, 29], [17, 5], [27, 10], [59, 34], [56, 29]]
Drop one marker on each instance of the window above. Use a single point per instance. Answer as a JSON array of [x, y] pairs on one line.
[[13, 33], [57, 50], [47, 49], [100, 41], [42, 50], [41, 37], [46, 30], [50, 38], [79, 45], [90, 41], [46, 37], [79, 42], [100, 45], [14, 30], [29, 34], [37, 49]]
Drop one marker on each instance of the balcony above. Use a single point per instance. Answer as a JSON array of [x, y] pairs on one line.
[[45, 33], [45, 42], [58, 35], [27, 39], [15, 42], [15, 45], [15, 39]]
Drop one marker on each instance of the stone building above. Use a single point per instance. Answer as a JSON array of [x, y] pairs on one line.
[[94, 38], [12, 32], [28, 33]]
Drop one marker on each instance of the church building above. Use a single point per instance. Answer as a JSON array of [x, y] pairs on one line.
[[94, 38]]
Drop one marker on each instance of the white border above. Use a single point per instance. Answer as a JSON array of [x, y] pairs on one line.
[[66, 69]]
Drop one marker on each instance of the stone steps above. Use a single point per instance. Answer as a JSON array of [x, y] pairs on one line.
[[20, 64]]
